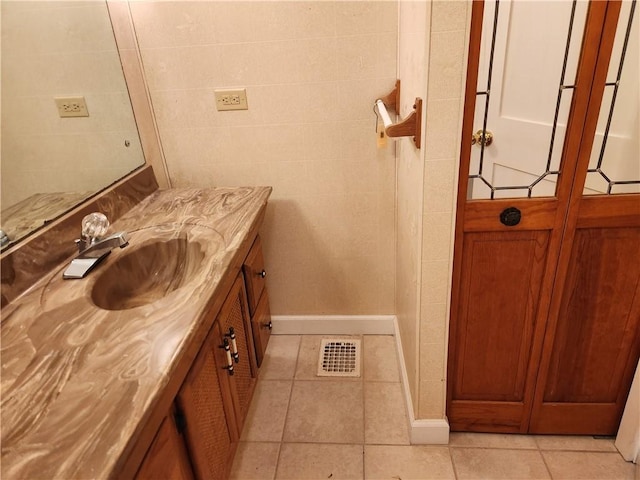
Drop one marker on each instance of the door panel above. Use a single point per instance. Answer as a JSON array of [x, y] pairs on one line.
[[495, 329], [497, 317], [597, 325], [597, 338]]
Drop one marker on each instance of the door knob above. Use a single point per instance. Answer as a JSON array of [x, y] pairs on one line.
[[510, 216], [482, 137]]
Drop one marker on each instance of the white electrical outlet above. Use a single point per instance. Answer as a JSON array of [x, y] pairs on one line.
[[72, 106], [228, 99]]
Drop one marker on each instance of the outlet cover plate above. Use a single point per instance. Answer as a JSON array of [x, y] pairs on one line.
[[71, 107], [231, 99]]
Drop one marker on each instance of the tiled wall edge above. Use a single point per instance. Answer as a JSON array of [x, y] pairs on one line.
[[421, 431]]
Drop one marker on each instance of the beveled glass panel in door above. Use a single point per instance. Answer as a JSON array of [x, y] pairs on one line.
[[528, 62], [614, 166]]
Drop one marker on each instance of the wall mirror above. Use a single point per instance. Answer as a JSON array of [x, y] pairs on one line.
[[50, 162]]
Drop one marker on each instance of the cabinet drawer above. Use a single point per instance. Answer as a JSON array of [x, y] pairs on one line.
[[261, 326], [254, 275]]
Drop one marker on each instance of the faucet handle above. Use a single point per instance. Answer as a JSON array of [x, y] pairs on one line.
[[94, 226]]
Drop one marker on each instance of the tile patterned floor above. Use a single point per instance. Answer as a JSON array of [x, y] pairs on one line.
[[303, 427]]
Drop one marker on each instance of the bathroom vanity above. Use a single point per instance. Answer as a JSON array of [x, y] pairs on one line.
[[146, 367]]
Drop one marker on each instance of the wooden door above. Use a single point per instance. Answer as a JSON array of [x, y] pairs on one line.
[[513, 255], [592, 342]]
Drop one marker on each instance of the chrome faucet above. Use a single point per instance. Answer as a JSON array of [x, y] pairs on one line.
[[4, 238], [92, 246], [97, 247]]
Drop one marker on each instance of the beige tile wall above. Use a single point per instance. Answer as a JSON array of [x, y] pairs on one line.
[[312, 71], [412, 65], [447, 69], [54, 49]]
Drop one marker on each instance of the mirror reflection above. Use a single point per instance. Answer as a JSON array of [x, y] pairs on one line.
[[68, 129]]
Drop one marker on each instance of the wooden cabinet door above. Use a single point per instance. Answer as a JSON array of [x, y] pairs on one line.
[[234, 314], [167, 457], [204, 401], [545, 327], [261, 326]]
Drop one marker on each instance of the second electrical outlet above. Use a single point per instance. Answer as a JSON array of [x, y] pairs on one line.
[[231, 99]]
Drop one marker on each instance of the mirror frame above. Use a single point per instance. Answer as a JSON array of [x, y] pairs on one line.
[[131, 61]]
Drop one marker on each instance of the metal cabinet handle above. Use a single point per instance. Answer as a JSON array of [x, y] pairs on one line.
[[234, 345], [267, 325], [227, 351], [262, 273]]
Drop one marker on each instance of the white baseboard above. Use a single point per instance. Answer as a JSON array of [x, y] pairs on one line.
[[333, 324], [421, 431], [429, 432]]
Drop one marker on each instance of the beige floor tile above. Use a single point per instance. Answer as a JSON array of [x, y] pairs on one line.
[[305, 461], [280, 358], [326, 412], [380, 358], [307, 367], [492, 440], [419, 462], [588, 466], [268, 410], [497, 464], [385, 417], [576, 443], [255, 461]]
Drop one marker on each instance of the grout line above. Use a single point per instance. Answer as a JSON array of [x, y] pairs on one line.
[[453, 463], [485, 447], [544, 461], [572, 450], [286, 415]]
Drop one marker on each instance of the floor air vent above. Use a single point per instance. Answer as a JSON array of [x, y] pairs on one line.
[[339, 357]]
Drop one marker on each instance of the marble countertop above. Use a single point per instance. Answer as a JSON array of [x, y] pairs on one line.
[[78, 382]]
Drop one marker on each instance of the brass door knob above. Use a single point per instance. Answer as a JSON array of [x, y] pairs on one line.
[[481, 138]]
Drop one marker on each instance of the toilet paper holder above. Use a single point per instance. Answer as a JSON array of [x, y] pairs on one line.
[[410, 126]]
